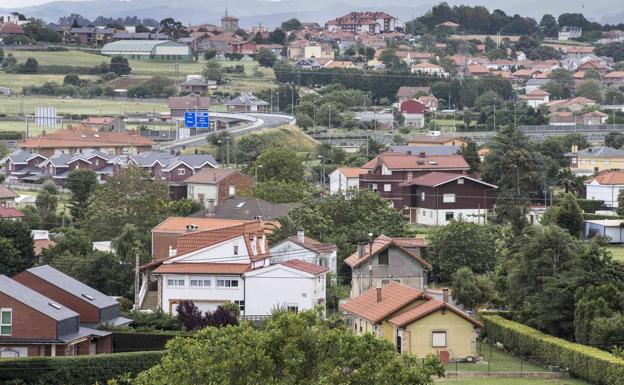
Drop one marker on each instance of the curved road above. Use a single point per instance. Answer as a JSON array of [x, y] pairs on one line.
[[255, 122]]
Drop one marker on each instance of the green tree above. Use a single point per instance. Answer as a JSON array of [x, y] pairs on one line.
[[390, 58], [129, 196], [11, 261], [570, 182], [120, 66], [46, 204], [210, 54], [30, 67], [292, 25], [213, 71], [71, 80], [471, 154], [281, 228], [265, 57], [548, 26], [81, 183], [462, 244], [614, 139], [279, 164], [276, 191], [488, 99], [567, 214], [304, 121], [472, 290], [18, 234], [592, 303], [590, 89], [183, 207], [620, 199]]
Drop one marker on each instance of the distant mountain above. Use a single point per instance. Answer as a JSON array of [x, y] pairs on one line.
[[272, 12]]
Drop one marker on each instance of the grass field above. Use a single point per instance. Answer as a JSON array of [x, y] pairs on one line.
[[509, 381], [19, 81], [498, 362], [617, 252], [14, 105]]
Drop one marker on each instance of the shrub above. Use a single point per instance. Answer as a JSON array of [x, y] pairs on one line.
[[77, 370], [590, 205], [590, 363], [130, 341]]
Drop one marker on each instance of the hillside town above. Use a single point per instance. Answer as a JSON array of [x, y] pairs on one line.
[[435, 198]]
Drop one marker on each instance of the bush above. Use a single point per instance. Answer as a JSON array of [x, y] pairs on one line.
[[78, 370], [157, 320], [590, 216], [592, 364], [130, 341], [590, 205]]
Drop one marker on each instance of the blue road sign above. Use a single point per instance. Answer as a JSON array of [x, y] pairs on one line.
[[203, 120], [189, 119]]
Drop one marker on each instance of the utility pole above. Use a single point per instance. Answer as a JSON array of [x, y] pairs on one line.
[[136, 281], [227, 143], [314, 113], [292, 100]]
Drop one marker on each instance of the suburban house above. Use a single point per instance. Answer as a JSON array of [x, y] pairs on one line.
[[20, 164], [385, 260], [213, 186], [245, 209], [605, 186], [92, 36], [10, 213], [7, 197], [614, 78], [431, 102], [247, 102], [537, 97], [389, 170], [414, 322], [594, 118], [151, 50], [436, 198], [370, 22], [569, 32], [595, 159], [429, 69], [306, 249], [414, 113], [570, 105], [612, 229], [344, 178], [178, 105], [406, 93], [436, 140], [78, 139]]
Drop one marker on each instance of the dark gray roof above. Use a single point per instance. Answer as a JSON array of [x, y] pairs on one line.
[[83, 332], [429, 150], [246, 99], [194, 161], [246, 209], [598, 151], [19, 156], [105, 170], [73, 286], [146, 159], [60, 160], [34, 300]]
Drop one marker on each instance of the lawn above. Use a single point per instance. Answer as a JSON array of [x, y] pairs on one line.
[[509, 381], [617, 252], [496, 361], [18, 81]]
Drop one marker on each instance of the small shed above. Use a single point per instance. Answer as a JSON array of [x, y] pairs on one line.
[[611, 228]]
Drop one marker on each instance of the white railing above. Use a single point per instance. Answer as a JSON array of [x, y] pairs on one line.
[[142, 292]]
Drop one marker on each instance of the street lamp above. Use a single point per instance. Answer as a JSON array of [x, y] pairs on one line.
[[322, 172], [257, 167]]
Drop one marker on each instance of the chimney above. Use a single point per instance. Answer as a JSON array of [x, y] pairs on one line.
[[378, 294], [301, 235], [422, 154], [191, 227], [360, 247], [445, 295], [211, 207]]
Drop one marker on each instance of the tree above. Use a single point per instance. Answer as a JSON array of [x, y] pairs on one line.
[[276, 191], [614, 50], [279, 164], [592, 303], [82, 184], [471, 155], [71, 80], [548, 26], [278, 36], [614, 96], [183, 207], [30, 67], [620, 199], [590, 89], [213, 71], [304, 121], [1, 55], [472, 290], [190, 316], [390, 58], [567, 214], [488, 99], [265, 57], [614, 139], [462, 244], [292, 25], [120, 66], [46, 204], [281, 228], [11, 261], [210, 54], [570, 182], [129, 196]]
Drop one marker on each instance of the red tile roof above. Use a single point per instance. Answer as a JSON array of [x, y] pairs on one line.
[[305, 266], [7, 193], [11, 29], [178, 224], [189, 242], [608, 178], [382, 243], [426, 308], [351, 172], [203, 268], [40, 244], [210, 175], [10, 212], [394, 297], [81, 136], [415, 162]]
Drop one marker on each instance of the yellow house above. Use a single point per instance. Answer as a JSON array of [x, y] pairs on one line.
[[414, 322], [437, 140], [595, 159]]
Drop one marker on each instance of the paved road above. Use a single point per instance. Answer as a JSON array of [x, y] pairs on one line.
[[255, 122]]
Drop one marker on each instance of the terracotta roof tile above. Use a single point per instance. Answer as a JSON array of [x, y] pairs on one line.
[[394, 297], [383, 242], [6, 193], [81, 136], [351, 172], [313, 244], [305, 266], [178, 224], [426, 308], [203, 268], [210, 175], [434, 179], [200, 239], [608, 178], [415, 162], [10, 212]]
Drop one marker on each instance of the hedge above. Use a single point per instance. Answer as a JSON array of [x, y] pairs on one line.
[[592, 364], [590, 205], [77, 370], [145, 341]]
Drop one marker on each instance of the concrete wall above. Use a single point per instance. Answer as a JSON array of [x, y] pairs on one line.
[[606, 193], [205, 298]]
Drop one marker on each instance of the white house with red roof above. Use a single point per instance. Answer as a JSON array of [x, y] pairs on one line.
[[537, 97], [605, 186], [344, 178], [306, 249]]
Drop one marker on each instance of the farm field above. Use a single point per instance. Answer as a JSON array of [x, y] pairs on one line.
[[19, 81], [13, 105]]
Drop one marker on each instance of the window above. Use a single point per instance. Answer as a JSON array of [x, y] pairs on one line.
[[372, 187], [399, 340], [6, 322], [449, 216], [460, 181], [382, 259], [232, 191], [181, 171], [201, 282], [607, 161], [241, 305], [235, 249], [448, 198], [422, 196], [227, 283], [97, 162], [438, 339], [175, 282], [295, 309], [384, 282], [387, 187]]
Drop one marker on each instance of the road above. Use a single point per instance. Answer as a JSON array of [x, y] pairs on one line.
[[255, 122]]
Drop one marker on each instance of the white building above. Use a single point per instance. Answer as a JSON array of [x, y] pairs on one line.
[[568, 32], [344, 178], [305, 249], [606, 187], [159, 50], [613, 229], [537, 97]]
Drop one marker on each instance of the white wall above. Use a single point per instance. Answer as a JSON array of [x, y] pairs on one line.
[[209, 191], [338, 182], [287, 250], [438, 217], [171, 50], [220, 253], [606, 193], [204, 298]]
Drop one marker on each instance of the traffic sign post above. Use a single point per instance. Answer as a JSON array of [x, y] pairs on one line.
[[202, 120], [189, 119]]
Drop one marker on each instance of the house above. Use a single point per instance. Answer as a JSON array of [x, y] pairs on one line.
[[426, 150], [534, 84], [375, 120], [570, 32], [10, 213], [593, 65], [370, 22], [385, 260], [436, 198], [431, 102], [612, 229], [406, 93], [344, 64], [306, 249], [578, 52], [212, 186], [307, 64], [9, 29], [574, 104], [595, 159], [343, 179], [178, 105], [95, 308], [605, 186], [7, 197], [436, 140], [195, 86], [594, 118], [91, 36], [33, 324], [247, 102], [245, 209], [20, 164], [414, 113], [477, 70], [276, 49], [104, 123], [414, 322], [77, 139], [41, 240], [536, 98], [429, 69], [389, 170], [614, 78], [150, 50], [562, 119]]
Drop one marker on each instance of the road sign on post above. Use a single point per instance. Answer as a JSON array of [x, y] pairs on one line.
[[189, 119], [202, 120]]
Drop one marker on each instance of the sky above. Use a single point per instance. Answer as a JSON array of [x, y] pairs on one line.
[[21, 3]]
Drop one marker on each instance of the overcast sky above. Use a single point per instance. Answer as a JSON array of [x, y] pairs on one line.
[[21, 3]]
